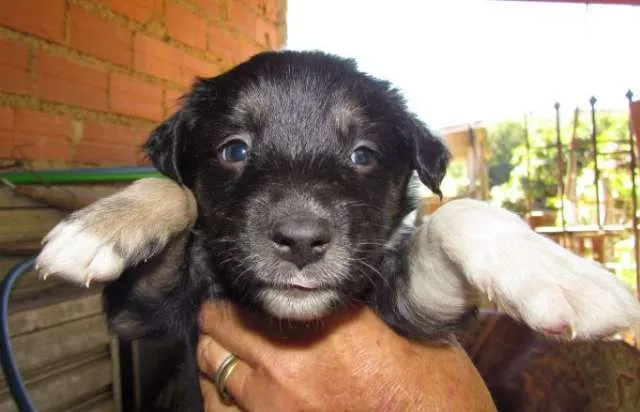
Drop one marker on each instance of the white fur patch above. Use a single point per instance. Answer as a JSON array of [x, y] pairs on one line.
[[468, 246], [296, 304], [78, 256]]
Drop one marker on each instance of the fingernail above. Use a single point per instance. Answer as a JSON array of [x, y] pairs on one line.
[[203, 349]]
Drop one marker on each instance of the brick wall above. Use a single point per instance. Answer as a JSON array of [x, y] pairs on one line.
[[82, 82]]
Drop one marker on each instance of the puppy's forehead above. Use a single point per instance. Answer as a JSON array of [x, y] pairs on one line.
[[297, 109]]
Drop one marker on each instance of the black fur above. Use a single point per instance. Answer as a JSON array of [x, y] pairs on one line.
[[302, 114]]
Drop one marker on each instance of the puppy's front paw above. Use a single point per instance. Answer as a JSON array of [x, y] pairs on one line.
[[74, 251], [567, 296], [100, 241], [531, 277]]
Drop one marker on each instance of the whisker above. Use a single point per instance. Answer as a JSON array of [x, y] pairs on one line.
[[377, 272]]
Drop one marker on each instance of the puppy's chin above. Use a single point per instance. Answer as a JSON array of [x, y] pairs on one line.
[[298, 304]]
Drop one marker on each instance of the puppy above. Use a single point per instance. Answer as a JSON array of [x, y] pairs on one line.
[[301, 168]]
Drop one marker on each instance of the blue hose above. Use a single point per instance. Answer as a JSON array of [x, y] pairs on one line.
[[9, 367]]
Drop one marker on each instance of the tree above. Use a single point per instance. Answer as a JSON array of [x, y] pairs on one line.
[[503, 137], [511, 182]]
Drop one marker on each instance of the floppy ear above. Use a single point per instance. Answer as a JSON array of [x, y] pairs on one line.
[[165, 146], [430, 155]]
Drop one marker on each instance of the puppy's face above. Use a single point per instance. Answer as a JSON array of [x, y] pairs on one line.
[[300, 166]]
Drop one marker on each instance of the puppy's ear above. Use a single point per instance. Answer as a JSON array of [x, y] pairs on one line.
[[164, 147], [430, 155]]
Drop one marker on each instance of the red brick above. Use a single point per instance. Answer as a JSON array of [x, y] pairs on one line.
[[14, 54], [37, 136], [213, 7], [271, 9], [110, 143], [186, 27], [100, 153], [156, 58], [266, 33], [139, 10], [193, 66], [34, 147], [14, 80], [7, 118], [248, 49], [224, 44], [101, 38], [43, 124], [27, 134], [113, 133], [6, 145], [14, 63], [42, 18], [133, 97], [172, 100], [242, 17], [230, 47], [62, 81]]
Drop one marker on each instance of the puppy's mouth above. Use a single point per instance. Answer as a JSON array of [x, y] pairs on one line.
[[299, 299], [298, 289], [301, 284]]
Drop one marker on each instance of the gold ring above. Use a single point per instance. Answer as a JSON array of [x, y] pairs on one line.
[[222, 375]]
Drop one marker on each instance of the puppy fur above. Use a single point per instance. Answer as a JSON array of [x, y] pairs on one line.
[[301, 117]]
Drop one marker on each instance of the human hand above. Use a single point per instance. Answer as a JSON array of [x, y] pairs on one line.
[[350, 361]]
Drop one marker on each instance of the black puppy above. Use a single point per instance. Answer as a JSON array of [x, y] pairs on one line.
[[301, 167]]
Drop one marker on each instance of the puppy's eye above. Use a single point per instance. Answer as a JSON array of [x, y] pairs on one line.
[[234, 151], [364, 158]]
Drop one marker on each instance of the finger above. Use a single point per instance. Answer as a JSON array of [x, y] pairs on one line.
[[211, 400], [210, 357]]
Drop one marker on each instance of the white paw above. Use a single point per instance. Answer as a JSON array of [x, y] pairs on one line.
[[530, 277], [78, 256], [99, 242]]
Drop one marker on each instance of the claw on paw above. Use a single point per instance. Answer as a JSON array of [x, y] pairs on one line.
[[569, 333], [563, 331], [87, 282]]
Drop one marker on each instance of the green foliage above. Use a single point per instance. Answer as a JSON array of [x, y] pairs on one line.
[[504, 138], [524, 179]]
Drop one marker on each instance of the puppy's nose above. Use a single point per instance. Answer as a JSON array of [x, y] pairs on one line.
[[302, 241]]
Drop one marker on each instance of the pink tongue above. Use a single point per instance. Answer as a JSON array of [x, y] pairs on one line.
[[305, 284]]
